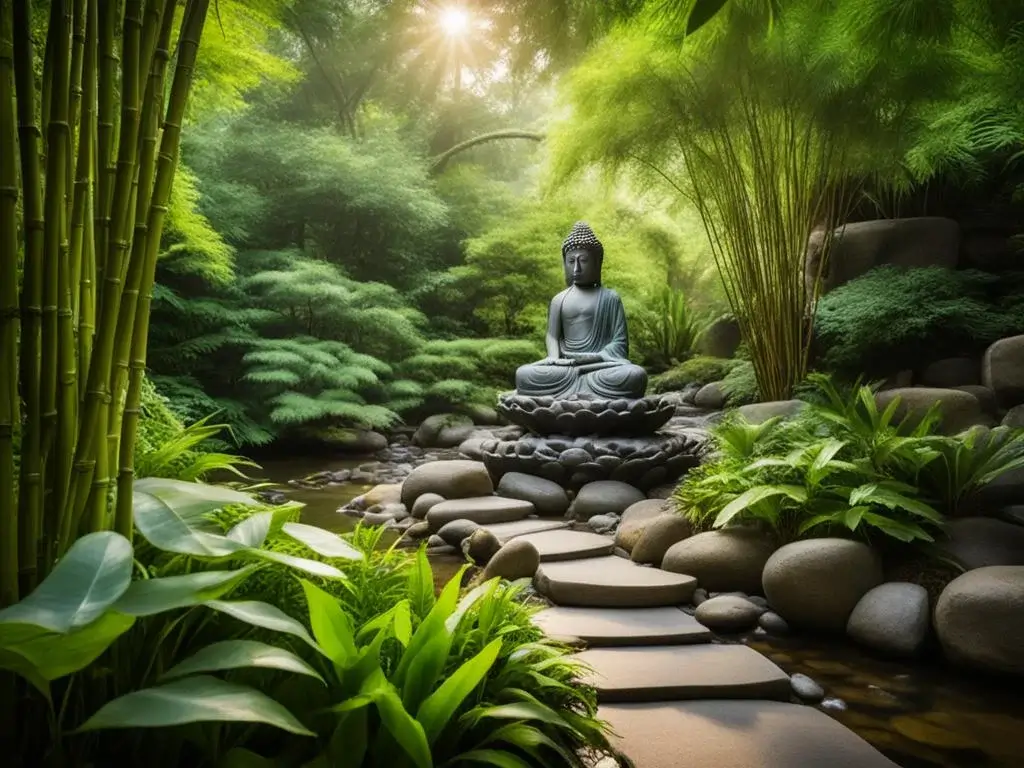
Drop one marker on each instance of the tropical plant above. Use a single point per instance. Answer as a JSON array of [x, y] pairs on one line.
[[965, 463], [740, 384], [670, 329]]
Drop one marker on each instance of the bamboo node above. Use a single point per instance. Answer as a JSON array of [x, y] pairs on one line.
[[11, 192]]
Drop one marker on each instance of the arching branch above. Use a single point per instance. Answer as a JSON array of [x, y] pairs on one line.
[[441, 161]]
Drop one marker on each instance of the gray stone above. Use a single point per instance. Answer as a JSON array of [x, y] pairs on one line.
[[454, 436], [603, 523], [860, 247], [397, 511], [658, 535], [710, 396], [604, 497], [805, 688], [977, 542], [579, 416], [436, 541], [568, 545], [892, 618], [758, 601], [508, 531], [377, 518], [549, 498], [517, 559], [418, 530], [1014, 417], [959, 410], [425, 503], [833, 704], [773, 624], [724, 560], [426, 436], [986, 397], [952, 372], [612, 582], [643, 674], [455, 531], [728, 613], [610, 627], [456, 479], [699, 596], [816, 583], [721, 339], [473, 448], [480, 546], [736, 734], [379, 494], [485, 509], [482, 414], [636, 518], [1002, 370], [444, 549], [979, 619], [758, 413]]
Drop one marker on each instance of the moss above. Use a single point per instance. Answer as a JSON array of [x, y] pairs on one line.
[[696, 370], [740, 384]]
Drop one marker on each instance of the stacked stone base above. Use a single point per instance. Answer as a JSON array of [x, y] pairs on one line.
[[572, 462]]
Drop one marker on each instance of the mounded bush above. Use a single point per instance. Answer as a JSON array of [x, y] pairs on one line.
[[696, 370]]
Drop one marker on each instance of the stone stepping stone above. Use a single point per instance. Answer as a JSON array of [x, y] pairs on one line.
[[736, 734], [511, 530], [603, 627], [612, 582], [482, 510], [683, 672], [569, 545]]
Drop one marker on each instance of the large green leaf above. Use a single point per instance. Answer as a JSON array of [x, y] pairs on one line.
[[56, 655], [431, 625], [423, 674], [758, 493], [198, 699], [332, 628], [252, 531], [420, 586], [12, 661], [191, 500], [147, 597], [322, 542], [235, 654], [312, 567], [174, 520], [400, 724], [439, 708], [91, 576], [264, 615], [239, 757]]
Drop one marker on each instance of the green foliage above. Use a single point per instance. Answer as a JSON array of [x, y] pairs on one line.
[[843, 466], [893, 318], [670, 329], [696, 370], [740, 384]]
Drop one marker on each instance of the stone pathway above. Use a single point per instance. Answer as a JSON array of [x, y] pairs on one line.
[[675, 697]]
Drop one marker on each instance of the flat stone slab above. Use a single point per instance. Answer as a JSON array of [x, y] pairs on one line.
[[483, 510], [736, 734], [511, 530], [683, 672], [612, 582], [604, 627], [569, 545]]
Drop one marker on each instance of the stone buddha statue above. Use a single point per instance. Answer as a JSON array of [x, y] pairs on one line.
[[587, 341]]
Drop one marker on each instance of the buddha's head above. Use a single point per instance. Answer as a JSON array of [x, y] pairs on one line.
[[582, 254]]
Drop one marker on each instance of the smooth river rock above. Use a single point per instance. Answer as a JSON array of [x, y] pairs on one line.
[[892, 618], [636, 518], [517, 559], [722, 561], [728, 613], [613, 582], [658, 536], [548, 497], [456, 479], [483, 510], [604, 497]]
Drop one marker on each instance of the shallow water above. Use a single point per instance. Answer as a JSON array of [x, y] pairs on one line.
[[921, 715]]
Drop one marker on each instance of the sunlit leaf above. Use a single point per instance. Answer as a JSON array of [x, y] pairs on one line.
[[151, 596], [264, 615], [322, 542], [234, 654]]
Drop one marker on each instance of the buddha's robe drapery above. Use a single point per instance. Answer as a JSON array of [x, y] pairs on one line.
[[613, 377]]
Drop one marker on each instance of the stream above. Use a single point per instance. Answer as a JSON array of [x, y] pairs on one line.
[[920, 714]]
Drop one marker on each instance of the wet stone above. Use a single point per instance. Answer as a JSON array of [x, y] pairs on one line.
[[805, 688]]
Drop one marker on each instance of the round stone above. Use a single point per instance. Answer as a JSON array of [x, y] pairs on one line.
[[425, 503], [515, 560], [891, 618], [635, 520], [456, 479], [805, 688], [483, 510], [605, 497], [548, 497], [658, 535], [455, 531], [722, 561], [773, 624], [480, 546], [728, 613]]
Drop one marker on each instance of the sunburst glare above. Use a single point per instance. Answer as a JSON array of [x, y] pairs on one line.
[[454, 21]]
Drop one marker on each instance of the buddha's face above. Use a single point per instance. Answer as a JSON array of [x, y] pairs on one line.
[[582, 268]]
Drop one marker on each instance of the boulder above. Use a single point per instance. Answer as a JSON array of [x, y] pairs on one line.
[[379, 495], [978, 542], [425, 503], [355, 441], [721, 339], [480, 546], [377, 518], [473, 448], [891, 618], [773, 624], [516, 560], [483, 415], [456, 531], [959, 409], [1002, 370], [952, 372], [758, 413], [979, 619], [604, 497], [428, 432], [482, 509], [859, 247], [658, 535], [816, 583], [456, 479], [728, 613], [1014, 417], [419, 530], [722, 561], [986, 397], [710, 396], [636, 518], [603, 523], [548, 497], [1005, 490]]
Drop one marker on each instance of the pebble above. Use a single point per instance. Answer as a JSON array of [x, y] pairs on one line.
[[807, 689], [603, 523], [832, 704], [759, 601], [773, 624], [436, 541], [699, 596]]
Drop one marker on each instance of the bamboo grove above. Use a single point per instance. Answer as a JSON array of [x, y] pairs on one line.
[[88, 149]]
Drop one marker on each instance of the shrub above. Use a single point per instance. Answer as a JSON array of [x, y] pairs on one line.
[[669, 329], [740, 384], [696, 370], [895, 318]]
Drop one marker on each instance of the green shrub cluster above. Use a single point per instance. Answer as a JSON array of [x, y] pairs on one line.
[[895, 318], [696, 370], [740, 384], [841, 466]]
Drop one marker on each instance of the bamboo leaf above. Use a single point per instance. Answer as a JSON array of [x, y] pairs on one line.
[[322, 542], [199, 699], [235, 654], [91, 576], [423, 674], [440, 707], [151, 596]]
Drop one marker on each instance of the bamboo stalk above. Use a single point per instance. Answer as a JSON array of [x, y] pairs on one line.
[[104, 171], [10, 317], [78, 13], [188, 46], [30, 490], [81, 246]]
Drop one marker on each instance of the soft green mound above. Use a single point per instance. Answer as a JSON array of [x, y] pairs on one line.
[[696, 370]]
